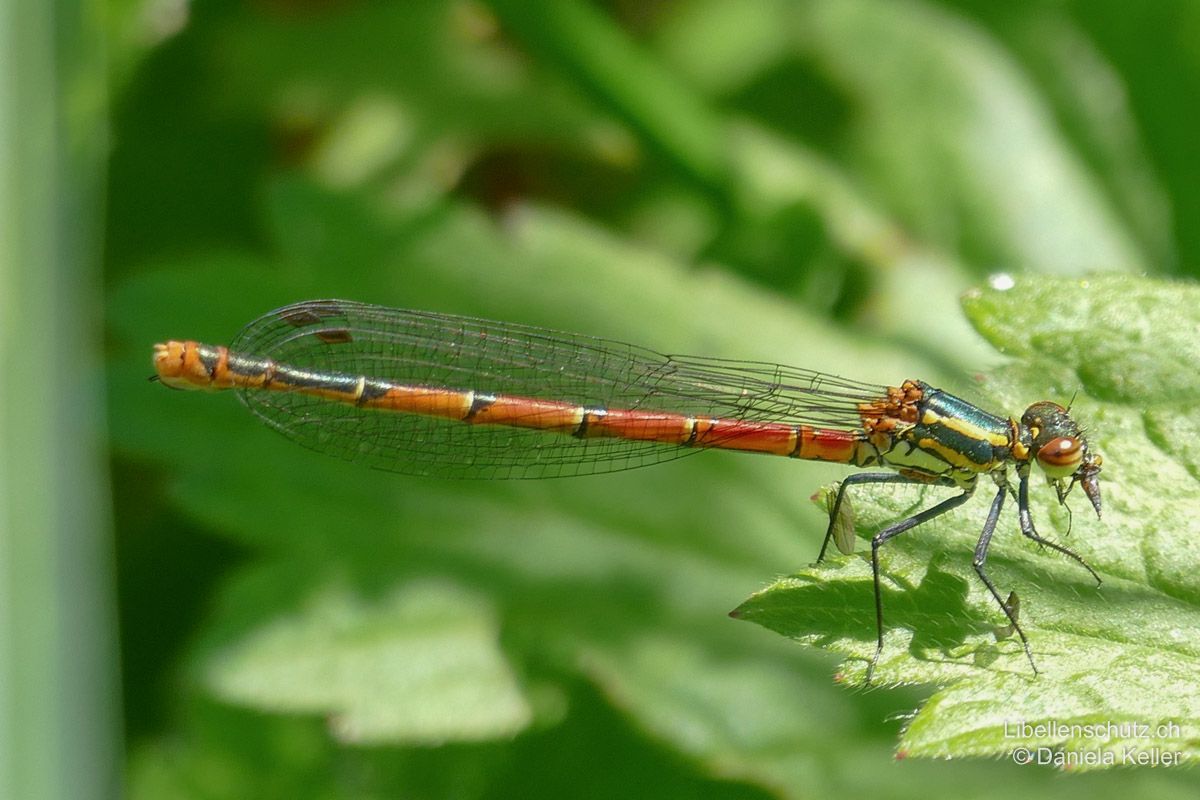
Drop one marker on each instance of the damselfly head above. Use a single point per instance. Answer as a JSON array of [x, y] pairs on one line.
[[1062, 451]]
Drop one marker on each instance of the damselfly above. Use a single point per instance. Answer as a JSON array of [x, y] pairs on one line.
[[442, 395]]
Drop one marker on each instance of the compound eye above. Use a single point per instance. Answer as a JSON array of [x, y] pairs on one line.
[[1059, 457]]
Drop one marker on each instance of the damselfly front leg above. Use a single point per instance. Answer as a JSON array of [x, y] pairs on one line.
[[1026, 520]]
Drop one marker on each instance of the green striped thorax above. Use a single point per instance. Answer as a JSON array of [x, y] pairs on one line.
[[1057, 443]]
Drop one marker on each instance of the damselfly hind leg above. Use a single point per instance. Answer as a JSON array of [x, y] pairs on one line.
[[891, 532], [887, 533], [836, 511]]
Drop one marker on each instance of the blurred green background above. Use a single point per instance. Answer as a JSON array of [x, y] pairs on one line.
[[813, 183]]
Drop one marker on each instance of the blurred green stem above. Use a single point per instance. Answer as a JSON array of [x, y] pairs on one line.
[[584, 43], [58, 679]]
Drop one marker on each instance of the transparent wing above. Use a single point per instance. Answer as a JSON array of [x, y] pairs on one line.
[[461, 353]]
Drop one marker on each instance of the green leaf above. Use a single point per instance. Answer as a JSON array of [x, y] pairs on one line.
[[1126, 652], [951, 128], [1131, 342], [421, 665]]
